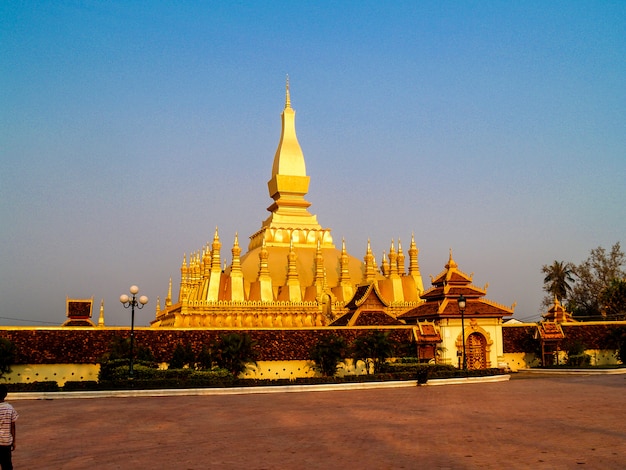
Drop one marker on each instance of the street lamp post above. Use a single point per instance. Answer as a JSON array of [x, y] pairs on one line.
[[462, 303], [132, 302]]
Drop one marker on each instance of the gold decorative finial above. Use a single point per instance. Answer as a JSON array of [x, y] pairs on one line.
[[451, 263], [287, 95]]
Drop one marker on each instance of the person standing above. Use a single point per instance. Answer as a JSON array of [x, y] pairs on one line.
[[8, 416]]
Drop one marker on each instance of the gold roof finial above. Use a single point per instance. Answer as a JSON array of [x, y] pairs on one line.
[[101, 317], [451, 262], [287, 95]]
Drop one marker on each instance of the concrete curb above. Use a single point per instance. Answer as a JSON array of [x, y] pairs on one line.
[[246, 390], [573, 371], [469, 380]]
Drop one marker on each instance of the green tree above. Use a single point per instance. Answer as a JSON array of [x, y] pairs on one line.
[[613, 300], [617, 341], [558, 280], [595, 275], [234, 352], [7, 356], [373, 349], [182, 357], [204, 361], [328, 353]]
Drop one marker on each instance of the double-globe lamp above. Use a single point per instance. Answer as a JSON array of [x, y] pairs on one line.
[[132, 302]]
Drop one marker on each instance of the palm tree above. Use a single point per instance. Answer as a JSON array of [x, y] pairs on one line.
[[328, 353], [235, 352], [558, 279]]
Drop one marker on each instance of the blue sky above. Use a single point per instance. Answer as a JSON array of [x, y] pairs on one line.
[[130, 130]]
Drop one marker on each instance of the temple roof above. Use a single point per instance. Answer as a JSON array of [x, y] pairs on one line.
[[367, 307], [550, 331], [441, 300], [426, 332]]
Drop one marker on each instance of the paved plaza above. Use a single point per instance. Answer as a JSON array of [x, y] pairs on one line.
[[535, 422]]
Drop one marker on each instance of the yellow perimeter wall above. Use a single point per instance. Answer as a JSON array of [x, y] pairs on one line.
[[62, 373]]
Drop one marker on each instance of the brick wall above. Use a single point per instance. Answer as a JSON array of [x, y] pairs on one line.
[[591, 335], [86, 345]]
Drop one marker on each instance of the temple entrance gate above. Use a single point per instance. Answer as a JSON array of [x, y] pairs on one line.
[[476, 351]]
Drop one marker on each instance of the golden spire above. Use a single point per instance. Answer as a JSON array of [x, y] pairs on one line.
[[236, 275], [211, 286], [414, 269], [264, 271], [184, 279], [344, 274], [294, 292], [385, 265], [168, 299], [400, 259], [205, 264], [370, 265], [264, 290], [236, 251], [413, 254], [215, 252], [288, 187], [289, 159], [393, 260], [319, 266]]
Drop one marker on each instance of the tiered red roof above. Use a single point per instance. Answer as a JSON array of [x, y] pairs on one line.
[[441, 300], [366, 308], [550, 331]]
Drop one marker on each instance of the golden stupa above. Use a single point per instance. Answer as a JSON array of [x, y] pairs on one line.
[[292, 274]]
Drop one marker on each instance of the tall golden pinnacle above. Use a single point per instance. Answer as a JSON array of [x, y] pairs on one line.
[[290, 220], [289, 183]]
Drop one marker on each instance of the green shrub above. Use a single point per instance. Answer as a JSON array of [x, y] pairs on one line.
[[328, 353], [172, 379], [75, 385], [46, 386], [576, 355], [118, 369], [7, 356], [182, 356]]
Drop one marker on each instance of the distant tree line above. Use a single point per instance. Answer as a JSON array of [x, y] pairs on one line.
[[592, 290]]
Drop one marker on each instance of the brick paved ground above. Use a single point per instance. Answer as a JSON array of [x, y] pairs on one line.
[[544, 423]]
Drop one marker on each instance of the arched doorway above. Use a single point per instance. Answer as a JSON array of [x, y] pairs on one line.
[[476, 351]]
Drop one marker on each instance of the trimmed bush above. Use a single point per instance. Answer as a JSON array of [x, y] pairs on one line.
[[47, 386], [77, 386]]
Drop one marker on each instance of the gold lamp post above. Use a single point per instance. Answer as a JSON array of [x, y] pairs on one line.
[[132, 302], [462, 303]]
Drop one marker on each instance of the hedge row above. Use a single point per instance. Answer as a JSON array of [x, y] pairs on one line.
[[185, 378]]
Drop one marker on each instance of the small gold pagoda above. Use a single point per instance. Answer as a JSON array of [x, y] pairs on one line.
[[292, 274], [558, 314]]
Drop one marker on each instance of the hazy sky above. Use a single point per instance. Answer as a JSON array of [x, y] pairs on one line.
[[130, 130]]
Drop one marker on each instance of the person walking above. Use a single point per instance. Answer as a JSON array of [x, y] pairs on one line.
[[8, 416]]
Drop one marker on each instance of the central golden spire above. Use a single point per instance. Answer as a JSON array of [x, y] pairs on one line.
[[290, 220], [289, 183]]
